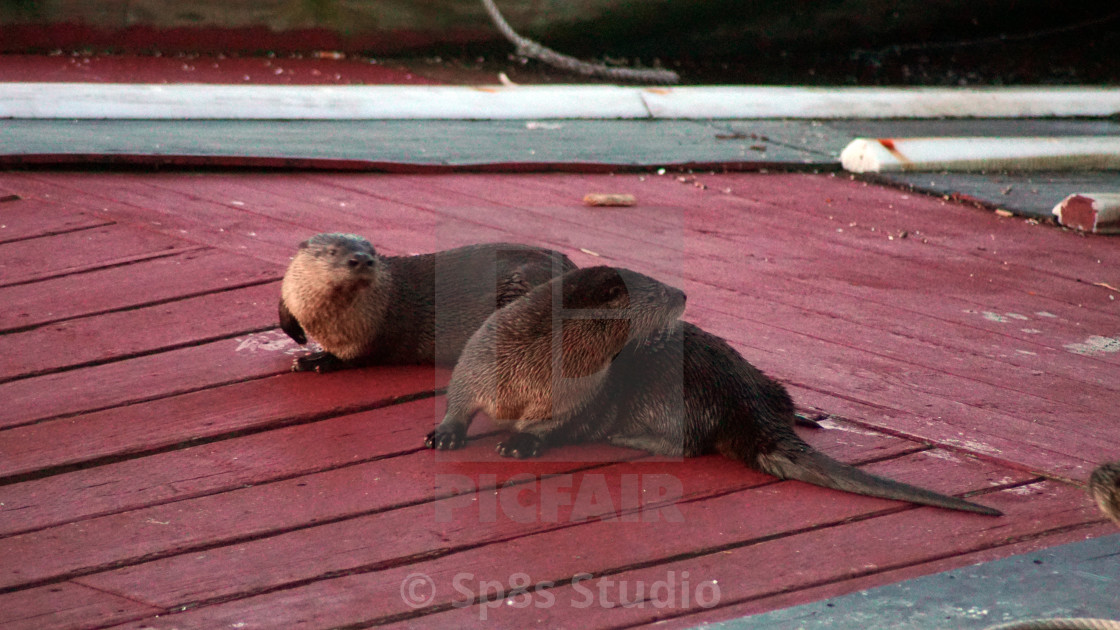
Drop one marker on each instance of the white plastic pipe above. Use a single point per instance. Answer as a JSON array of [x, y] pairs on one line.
[[883, 155]]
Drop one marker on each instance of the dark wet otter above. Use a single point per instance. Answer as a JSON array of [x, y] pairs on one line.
[[534, 365], [1104, 486], [366, 309], [677, 391]]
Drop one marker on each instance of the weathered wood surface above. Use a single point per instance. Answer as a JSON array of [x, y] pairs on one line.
[[159, 467]]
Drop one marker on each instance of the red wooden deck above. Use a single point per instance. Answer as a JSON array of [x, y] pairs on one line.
[[160, 468]]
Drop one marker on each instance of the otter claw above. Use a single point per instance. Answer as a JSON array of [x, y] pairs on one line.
[[321, 362], [446, 439], [521, 446]]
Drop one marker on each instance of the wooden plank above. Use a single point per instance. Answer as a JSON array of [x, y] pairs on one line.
[[167, 422], [942, 411], [265, 226], [174, 475], [731, 275], [147, 377], [754, 569], [592, 546], [533, 102], [407, 146], [721, 269], [214, 228], [844, 587], [1041, 390], [216, 467], [946, 426], [827, 207], [394, 228], [26, 261], [745, 225], [978, 311], [348, 179], [244, 514], [950, 226], [124, 101], [30, 218], [830, 212], [346, 546], [975, 348], [66, 606], [816, 303], [144, 330], [117, 288]]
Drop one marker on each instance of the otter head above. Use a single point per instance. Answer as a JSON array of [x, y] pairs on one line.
[[342, 256], [646, 305]]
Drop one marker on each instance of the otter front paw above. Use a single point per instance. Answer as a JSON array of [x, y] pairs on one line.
[[321, 362], [521, 446], [447, 439]]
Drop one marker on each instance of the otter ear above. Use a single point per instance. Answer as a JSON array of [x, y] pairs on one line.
[[616, 291], [305, 244]]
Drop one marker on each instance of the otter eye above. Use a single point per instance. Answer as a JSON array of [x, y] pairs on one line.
[[332, 252]]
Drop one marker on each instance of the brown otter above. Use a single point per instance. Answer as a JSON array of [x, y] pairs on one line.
[[533, 365], [1104, 486], [677, 391], [367, 309]]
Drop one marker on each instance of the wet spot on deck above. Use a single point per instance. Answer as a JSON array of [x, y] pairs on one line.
[[1095, 345], [268, 341]]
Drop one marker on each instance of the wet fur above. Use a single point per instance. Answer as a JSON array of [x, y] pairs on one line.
[[693, 394], [533, 369], [401, 309]]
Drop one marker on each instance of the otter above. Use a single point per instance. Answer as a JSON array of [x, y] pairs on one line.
[[677, 390], [534, 365], [1104, 486], [368, 309]]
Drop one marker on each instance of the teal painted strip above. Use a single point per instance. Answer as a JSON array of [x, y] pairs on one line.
[[454, 143], [1075, 580]]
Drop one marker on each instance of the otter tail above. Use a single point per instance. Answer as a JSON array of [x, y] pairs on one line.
[[803, 463]]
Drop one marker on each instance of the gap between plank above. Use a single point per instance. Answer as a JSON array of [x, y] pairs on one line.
[[58, 232]]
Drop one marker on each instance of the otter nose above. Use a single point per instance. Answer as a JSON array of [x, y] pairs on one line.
[[360, 259]]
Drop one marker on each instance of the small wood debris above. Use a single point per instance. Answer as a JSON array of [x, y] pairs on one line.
[[1107, 286], [739, 135], [1005, 213], [4, 198], [607, 199]]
